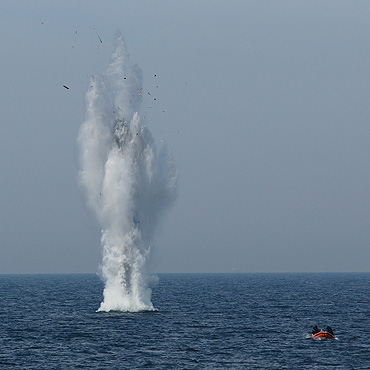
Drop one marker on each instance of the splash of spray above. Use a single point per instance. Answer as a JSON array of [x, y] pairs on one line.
[[128, 182]]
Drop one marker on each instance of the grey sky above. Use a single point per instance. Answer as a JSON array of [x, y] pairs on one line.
[[266, 113]]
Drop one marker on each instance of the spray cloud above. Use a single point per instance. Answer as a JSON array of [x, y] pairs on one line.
[[128, 182]]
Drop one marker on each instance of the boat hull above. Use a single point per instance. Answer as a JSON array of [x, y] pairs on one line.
[[322, 334]]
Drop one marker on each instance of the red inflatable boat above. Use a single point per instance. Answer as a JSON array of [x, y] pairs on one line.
[[322, 334]]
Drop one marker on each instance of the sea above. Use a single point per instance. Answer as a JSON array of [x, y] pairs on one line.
[[202, 321]]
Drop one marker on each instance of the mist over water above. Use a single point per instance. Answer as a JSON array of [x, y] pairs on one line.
[[129, 183]]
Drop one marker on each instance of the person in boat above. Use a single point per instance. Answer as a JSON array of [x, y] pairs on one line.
[[315, 329], [329, 330]]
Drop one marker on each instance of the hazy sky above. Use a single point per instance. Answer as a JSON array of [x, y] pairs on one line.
[[265, 106]]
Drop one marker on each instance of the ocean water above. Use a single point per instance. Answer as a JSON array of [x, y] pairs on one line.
[[203, 321]]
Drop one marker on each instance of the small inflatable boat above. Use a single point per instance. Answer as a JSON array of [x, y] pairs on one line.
[[322, 334]]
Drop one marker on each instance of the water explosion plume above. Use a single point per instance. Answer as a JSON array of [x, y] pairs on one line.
[[128, 182]]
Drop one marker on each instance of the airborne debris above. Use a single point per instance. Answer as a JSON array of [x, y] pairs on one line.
[[66, 87]]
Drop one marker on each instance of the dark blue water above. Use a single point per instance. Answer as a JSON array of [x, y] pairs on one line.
[[238, 321]]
